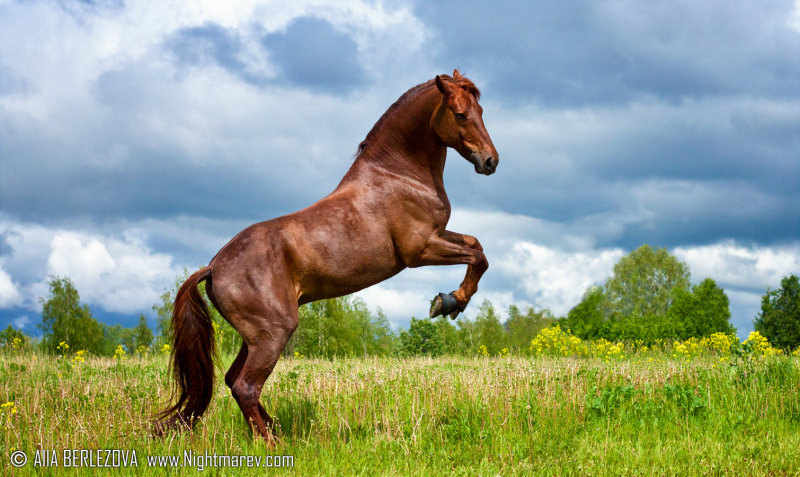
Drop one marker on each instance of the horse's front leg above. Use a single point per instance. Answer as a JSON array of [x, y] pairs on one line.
[[450, 248]]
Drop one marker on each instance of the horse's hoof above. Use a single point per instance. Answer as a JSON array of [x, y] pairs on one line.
[[436, 306], [445, 304]]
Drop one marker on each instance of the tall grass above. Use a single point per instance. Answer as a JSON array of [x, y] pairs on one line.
[[419, 416]]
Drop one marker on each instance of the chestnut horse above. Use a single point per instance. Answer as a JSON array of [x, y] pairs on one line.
[[389, 212]]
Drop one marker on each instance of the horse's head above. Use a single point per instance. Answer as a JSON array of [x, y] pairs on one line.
[[458, 122]]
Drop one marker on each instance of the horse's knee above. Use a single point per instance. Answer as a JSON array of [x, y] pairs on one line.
[[475, 244], [480, 262], [245, 393]]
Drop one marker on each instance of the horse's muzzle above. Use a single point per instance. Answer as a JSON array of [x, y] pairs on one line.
[[484, 165]]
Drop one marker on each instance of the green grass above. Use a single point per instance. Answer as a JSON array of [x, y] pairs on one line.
[[456, 415]]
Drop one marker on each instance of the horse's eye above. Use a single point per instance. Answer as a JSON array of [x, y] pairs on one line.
[[460, 116]]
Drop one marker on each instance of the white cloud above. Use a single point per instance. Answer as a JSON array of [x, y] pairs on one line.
[[9, 295], [553, 278], [731, 264], [116, 272], [120, 275], [21, 322], [396, 304], [501, 300], [744, 272], [794, 18], [495, 228], [79, 257]]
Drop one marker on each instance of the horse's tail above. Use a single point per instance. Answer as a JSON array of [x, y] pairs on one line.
[[193, 354]]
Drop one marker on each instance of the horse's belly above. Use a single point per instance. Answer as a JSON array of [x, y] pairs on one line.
[[335, 270]]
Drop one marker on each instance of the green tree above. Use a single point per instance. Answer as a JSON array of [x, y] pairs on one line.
[[489, 330], [449, 334], [586, 320], [643, 283], [64, 318], [142, 335], [114, 336], [522, 328], [648, 297], [382, 340], [8, 335], [779, 319], [421, 338], [700, 312], [341, 327], [468, 336]]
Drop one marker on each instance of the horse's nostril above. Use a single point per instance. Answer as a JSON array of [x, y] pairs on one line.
[[491, 163]]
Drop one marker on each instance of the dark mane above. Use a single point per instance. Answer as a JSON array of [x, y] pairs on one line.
[[411, 94]]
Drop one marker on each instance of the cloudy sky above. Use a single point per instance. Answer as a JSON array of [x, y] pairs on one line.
[[136, 138]]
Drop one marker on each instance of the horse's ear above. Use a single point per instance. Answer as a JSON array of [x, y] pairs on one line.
[[456, 74], [443, 87]]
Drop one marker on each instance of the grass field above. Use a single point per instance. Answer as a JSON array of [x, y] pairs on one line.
[[644, 415]]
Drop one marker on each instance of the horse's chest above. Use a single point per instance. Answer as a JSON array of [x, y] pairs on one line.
[[439, 214], [439, 209]]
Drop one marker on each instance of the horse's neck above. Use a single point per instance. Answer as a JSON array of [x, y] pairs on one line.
[[405, 145]]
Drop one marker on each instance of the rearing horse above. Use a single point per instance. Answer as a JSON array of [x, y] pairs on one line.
[[389, 212]]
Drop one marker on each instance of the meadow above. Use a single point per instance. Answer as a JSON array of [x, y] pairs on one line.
[[643, 412]]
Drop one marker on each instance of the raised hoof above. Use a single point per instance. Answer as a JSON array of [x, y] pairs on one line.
[[445, 304]]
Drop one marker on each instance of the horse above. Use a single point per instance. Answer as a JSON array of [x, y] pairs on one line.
[[388, 213]]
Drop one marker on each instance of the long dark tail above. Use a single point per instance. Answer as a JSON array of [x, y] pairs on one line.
[[193, 355]]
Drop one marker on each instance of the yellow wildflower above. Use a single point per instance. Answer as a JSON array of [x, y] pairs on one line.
[[120, 353], [80, 356], [759, 345]]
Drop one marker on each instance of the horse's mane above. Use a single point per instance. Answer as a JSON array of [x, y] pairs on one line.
[[411, 94]]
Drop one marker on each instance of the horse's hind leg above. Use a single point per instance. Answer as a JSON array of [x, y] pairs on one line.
[[236, 367], [265, 335], [233, 373]]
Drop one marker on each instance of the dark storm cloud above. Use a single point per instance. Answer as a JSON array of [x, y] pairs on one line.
[[213, 44], [155, 185], [583, 53], [639, 93], [127, 163], [723, 168], [314, 55], [310, 54], [5, 247]]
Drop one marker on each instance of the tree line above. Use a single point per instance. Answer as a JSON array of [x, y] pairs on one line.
[[66, 320], [648, 298]]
